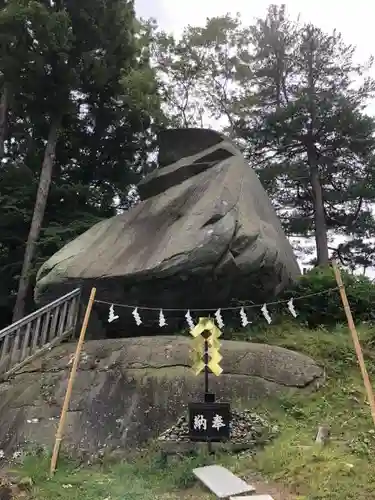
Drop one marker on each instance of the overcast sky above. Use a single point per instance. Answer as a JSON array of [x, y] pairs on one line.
[[355, 20]]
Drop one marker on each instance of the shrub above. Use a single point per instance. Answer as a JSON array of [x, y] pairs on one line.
[[326, 308]]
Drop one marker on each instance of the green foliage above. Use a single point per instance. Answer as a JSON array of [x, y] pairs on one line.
[[308, 132], [197, 70], [326, 308], [281, 88], [294, 98], [146, 474], [87, 64]]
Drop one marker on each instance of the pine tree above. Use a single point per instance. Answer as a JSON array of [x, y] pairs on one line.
[[309, 128], [198, 70], [294, 98], [85, 100]]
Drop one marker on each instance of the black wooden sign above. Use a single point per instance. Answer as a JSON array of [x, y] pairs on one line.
[[209, 421]]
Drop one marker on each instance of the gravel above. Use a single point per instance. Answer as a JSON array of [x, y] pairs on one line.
[[246, 427]]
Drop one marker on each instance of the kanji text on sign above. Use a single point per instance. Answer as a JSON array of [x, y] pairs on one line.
[[209, 421]]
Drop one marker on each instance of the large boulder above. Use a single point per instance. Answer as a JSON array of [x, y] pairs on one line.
[[130, 390], [204, 234]]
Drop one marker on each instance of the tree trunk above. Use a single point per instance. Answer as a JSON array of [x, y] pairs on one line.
[[321, 236], [37, 220], [3, 118]]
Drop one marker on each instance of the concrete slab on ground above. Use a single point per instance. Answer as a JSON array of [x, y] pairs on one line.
[[222, 482]]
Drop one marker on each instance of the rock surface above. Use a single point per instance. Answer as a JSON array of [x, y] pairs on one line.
[[204, 234], [130, 390]]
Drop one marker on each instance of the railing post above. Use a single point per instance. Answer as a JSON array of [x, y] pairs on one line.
[[53, 326], [35, 335], [14, 357], [62, 321], [25, 343]]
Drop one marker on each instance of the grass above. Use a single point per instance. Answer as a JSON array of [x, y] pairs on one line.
[[148, 476], [344, 469]]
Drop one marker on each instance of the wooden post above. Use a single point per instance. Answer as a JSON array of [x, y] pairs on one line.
[[68, 393], [357, 345]]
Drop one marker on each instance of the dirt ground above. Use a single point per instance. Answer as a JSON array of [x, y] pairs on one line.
[[276, 491]]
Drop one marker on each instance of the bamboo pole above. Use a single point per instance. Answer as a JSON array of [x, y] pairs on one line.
[[68, 393], [356, 342]]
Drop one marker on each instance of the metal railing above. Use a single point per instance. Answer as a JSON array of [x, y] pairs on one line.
[[38, 332]]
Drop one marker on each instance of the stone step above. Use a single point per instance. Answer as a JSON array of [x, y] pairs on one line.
[[222, 482]]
